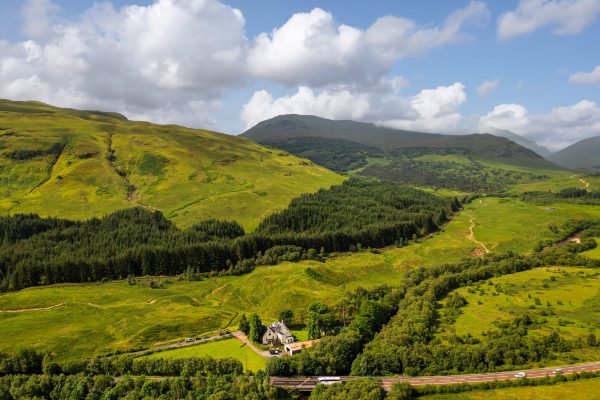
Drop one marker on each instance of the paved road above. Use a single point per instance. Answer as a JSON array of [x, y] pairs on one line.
[[305, 384]]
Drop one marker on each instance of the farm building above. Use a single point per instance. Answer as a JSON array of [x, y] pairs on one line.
[[295, 348], [277, 333]]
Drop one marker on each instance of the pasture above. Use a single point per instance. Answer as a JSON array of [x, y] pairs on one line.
[[227, 348], [586, 389], [566, 299]]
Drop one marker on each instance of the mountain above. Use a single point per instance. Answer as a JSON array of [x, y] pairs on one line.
[[583, 155], [393, 141], [476, 163], [520, 140], [79, 164]]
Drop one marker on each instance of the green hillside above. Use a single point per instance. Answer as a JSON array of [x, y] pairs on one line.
[[480, 163], [78, 164], [583, 155], [393, 141]]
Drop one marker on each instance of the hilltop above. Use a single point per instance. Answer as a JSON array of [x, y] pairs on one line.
[[583, 155], [78, 164], [482, 163], [393, 141]]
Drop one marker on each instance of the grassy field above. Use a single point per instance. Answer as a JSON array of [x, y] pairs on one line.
[[218, 349], [568, 299], [594, 253], [587, 389], [79, 164], [96, 318]]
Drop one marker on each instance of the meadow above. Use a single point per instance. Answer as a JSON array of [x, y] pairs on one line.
[[587, 389], [91, 319], [229, 347], [79, 164], [568, 300]]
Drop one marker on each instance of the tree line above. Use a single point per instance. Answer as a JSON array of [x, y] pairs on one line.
[[368, 212]]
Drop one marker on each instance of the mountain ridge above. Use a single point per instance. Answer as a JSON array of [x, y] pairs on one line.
[[582, 155], [483, 145]]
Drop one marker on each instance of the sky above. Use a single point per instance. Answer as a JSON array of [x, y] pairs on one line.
[[453, 66]]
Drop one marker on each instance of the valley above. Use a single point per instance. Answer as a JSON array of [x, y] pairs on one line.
[[419, 252], [118, 316]]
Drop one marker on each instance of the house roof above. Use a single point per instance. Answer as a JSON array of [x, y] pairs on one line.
[[280, 328]]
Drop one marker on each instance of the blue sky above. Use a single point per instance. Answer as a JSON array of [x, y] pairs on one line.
[[218, 64]]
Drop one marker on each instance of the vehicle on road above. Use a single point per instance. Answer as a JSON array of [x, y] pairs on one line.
[[205, 337], [520, 375], [275, 352], [558, 371], [328, 380], [189, 340]]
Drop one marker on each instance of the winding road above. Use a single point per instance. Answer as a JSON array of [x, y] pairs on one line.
[[307, 384]]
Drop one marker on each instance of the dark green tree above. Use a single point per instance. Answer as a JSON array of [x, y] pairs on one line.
[[256, 328], [244, 325], [286, 316]]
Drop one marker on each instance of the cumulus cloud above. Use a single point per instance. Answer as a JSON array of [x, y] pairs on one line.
[[566, 17], [167, 58], [557, 129], [586, 78], [38, 16], [142, 60], [429, 110], [313, 49], [487, 87]]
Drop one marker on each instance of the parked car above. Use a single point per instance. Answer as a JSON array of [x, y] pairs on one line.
[[520, 375], [189, 339], [205, 337], [275, 351]]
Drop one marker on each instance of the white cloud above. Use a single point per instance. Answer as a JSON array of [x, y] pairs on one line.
[[512, 117], [559, 128], [566, 17], [586, 78], [487, 87], [313, 49], [429, 110], [154, 60], [38, 17]]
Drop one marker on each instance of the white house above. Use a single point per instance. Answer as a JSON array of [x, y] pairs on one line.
[[277, 333]]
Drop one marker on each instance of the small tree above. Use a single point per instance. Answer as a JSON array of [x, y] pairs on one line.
[[244, 325], [591, 339], [255, 328], [286, 316]]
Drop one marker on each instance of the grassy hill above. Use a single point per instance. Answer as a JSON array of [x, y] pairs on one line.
[[583, 155], [481, 163], [78, 164], [393, 141]]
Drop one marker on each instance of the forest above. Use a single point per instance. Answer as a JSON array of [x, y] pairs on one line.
[[471, 176], [366, 212], [336, 154]]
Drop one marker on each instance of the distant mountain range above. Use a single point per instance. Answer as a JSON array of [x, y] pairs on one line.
[[518, 139], [583, 155], [279, 132]]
